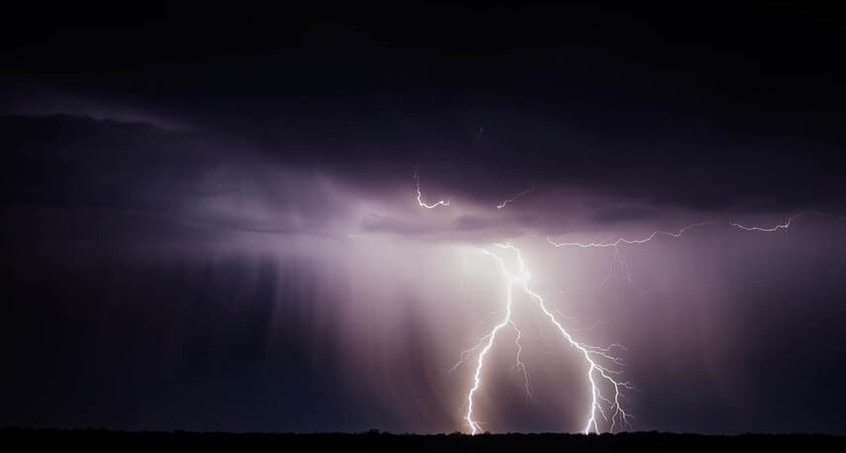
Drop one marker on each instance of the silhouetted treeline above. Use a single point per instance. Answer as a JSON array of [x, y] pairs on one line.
[[375, 440]]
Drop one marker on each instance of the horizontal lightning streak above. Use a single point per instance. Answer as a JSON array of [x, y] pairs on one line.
[[515, 197], [781, 226], [623, 241], [787, 223], [617, 259]]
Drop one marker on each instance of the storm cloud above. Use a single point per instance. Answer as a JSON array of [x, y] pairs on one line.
[[214, 225]]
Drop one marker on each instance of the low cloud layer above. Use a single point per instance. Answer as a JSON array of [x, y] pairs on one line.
[[209, 218], [210, 272]]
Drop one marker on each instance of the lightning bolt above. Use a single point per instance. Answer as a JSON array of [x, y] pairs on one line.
[[617, 259], [516, 196], [786, 224], [780, 226], [520, 365], [658, 233], [623, 241], [603, 404], [606, 389], [420, 201]]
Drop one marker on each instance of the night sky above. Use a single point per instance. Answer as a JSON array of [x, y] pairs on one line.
[[209, 218]]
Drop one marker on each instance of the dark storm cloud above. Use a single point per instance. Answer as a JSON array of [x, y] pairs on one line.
[[671, 114], [19, 96], [76, 165], [202, 181], [379, 223], [193, 205]]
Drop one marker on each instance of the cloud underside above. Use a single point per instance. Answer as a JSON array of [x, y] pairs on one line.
[[198, 179]]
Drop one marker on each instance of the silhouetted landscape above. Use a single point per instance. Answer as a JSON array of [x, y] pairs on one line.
[[375, 440]]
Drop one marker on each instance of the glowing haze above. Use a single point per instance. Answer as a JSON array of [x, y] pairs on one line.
[[298, 220], [442, 312]]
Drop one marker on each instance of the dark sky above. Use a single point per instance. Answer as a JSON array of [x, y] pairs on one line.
[[208, 216]]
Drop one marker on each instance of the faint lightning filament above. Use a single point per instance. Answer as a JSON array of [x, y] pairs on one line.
[[781, 226], [504, 203], [622, 241], [617, 259]]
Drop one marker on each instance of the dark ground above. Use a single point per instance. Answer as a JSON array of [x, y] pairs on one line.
[[377, 441]]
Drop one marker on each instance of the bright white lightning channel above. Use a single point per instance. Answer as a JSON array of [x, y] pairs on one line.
[[420, 201], [605, 388], [603, 403]]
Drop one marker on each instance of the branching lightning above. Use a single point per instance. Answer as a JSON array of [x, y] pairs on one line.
[[504, 203], [618, 259], [623, 241], [781, 226], [787, 223], [601, 378], [605, 411], [420, 201], [604, 404]]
